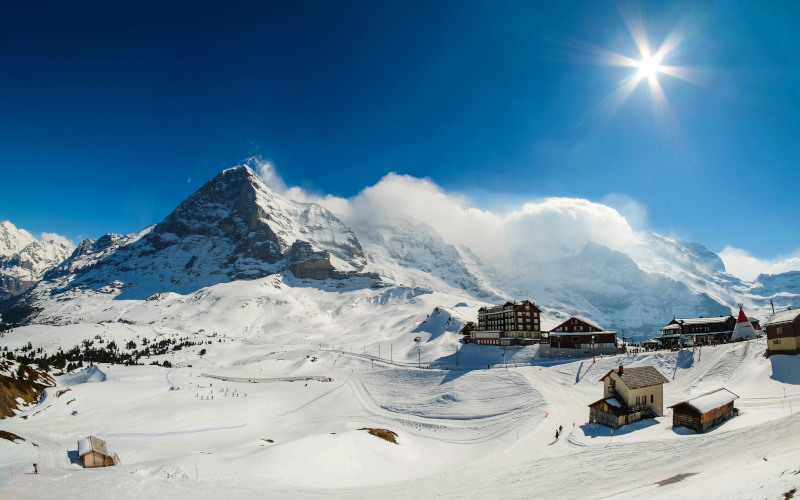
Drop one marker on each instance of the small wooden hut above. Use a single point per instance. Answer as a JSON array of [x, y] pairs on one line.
[[705, 411], [93, 452]]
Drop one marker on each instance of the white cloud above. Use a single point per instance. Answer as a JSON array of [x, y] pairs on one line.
[[57, 238], [266, 170], [747, 267], [633, 211], [540, 231]]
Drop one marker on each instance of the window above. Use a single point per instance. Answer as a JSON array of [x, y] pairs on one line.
[[576, 339], [779, 330], [527, 308], [776, 341], [651, 398], [638, 400]]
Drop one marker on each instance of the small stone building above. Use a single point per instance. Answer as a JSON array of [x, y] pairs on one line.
[[93, 452], [705, 411], [629, 395]]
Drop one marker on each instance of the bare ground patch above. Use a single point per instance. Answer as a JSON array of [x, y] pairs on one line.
[[386, 434], [10, 436]]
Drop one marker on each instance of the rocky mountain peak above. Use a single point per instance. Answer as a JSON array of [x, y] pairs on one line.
[[234, 227]]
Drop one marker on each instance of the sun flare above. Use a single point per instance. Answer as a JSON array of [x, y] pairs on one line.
[[650, 66]]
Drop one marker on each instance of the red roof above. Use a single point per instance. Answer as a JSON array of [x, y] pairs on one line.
[[742, 317]]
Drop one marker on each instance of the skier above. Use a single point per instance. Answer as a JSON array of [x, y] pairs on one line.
[[560, 429], [556, 434], [36, 468]]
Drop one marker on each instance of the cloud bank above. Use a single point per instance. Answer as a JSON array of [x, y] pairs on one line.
[[536, 231], [742, 264]]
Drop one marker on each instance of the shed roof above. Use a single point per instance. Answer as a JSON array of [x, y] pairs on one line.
[[580, 318], [710, 400], [640, 376], [92, 443], [611, 405], [783, 317]]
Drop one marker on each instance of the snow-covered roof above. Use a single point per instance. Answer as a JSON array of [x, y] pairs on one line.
[[555, 334], [671, 327], [710, 400], [614, 402], [92, 443], [703, 321], [783, 317], [588, 322]]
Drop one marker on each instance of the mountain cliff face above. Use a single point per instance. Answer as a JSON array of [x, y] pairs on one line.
[[233, 228], [24, 260]]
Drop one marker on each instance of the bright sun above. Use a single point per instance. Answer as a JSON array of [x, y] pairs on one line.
[[649, 66]]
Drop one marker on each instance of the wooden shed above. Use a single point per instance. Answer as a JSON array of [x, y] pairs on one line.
[[705, 411], [93, 452]]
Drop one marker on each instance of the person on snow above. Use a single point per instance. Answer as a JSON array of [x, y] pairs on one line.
[[35, 468], [556, 434]]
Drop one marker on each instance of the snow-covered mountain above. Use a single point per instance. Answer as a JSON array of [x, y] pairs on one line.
[[237, 228], [24, 260], [233, 228]]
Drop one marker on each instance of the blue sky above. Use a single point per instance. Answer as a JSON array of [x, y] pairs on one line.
[[112, 113]]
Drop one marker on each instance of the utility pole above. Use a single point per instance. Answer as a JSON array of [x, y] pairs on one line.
[[419, 357], [773, 306]]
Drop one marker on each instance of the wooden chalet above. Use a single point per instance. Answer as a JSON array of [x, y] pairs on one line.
[[509, 323], [93, 452], [579, 336], [704, 411], [783, 332], [629, 395], [580, 333]]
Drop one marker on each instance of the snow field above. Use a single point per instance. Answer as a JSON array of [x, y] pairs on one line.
[[468, 432]]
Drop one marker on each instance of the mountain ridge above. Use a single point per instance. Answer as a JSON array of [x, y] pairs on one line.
[[235, 227]]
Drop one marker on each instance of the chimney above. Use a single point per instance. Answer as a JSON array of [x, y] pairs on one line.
[[620, 370]]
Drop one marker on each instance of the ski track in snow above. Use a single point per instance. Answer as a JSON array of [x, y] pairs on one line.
[[310, 402], [169, 433]]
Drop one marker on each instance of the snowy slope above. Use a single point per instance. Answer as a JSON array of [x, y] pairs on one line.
[[468, 432]]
